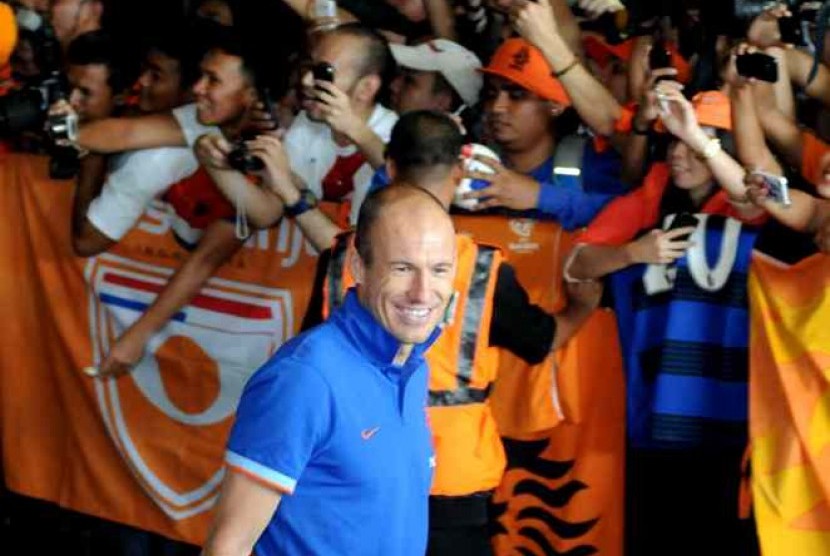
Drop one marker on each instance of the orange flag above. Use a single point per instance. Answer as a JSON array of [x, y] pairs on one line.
[[790, 405]]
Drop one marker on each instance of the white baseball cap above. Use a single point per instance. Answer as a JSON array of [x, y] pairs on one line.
[[458, 65]]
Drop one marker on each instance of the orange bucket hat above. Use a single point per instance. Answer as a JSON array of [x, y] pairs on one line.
[[522, 63], [712, 109], [8, 32]]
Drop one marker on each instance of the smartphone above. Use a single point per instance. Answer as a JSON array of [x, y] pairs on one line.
[[264, 95], [659, 56], [760, 66], [791, 32], [323, 71], [683, 220], [778, 186]]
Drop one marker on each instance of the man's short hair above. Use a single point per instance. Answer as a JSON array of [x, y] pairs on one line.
[[183, 42], [377, 59], [422, 140], [371, 210], [266, 67], [98, 48]]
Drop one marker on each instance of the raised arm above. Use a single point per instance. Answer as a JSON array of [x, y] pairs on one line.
[[125, 134], [217, 245], [536, 22]]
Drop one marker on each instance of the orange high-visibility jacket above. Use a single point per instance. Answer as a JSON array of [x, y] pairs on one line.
[[528, 399], [469, 455]]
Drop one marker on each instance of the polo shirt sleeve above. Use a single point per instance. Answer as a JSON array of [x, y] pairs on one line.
[[813, 150], [283, 418], [570, 206], [129, 190]]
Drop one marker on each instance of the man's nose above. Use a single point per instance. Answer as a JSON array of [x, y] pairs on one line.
[[419, 286], [144, 79], [199, 86], [501, 102], [75, 99]]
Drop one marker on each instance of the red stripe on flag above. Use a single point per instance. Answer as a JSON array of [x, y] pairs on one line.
[[226, 306]]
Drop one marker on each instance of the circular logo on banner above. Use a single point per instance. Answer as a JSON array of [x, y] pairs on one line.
[[170, 417]]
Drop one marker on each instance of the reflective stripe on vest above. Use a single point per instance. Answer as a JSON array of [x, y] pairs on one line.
[[476, 298]]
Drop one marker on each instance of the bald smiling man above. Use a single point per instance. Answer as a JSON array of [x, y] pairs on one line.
[[331, 452]]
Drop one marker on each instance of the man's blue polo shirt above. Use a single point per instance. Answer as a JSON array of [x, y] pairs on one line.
[[337, 426]]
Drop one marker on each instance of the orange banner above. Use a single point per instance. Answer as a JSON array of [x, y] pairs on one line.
[[563, 490], [145, 449], [564, 419], [790, 405]]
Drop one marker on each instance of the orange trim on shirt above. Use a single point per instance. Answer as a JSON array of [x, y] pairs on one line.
[[260, 480]]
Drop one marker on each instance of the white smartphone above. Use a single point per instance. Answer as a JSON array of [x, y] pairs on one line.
[[779, 189]]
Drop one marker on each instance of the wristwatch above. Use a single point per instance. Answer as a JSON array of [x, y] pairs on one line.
[[306, 202]]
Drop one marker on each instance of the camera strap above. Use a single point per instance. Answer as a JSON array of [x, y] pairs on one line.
[[241, 227]]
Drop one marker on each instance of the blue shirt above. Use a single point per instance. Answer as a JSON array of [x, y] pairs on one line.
[[339, 427]]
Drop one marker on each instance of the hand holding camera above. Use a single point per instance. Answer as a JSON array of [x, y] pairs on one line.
[[661, 247], [212, 151], [276, 172], [62, 124], [335, 105], [763, 186]]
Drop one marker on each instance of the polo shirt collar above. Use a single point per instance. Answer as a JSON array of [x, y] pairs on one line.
[[372, 339]]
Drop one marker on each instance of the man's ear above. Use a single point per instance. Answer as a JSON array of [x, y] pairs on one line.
[[358, 267], [366, 89], [391, 169], [443, 101], [555, 109], [457, 173]]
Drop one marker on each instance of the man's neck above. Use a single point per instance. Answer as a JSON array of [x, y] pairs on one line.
[[529, 159]]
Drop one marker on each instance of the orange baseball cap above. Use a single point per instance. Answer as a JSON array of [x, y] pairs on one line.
[[522, 63], [8, 32]]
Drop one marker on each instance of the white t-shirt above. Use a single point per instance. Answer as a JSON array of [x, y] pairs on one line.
[[312, 152], [137, 177], [192, 128]]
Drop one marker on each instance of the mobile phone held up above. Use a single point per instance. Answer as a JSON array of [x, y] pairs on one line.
[[323, 71], [683, 220], [659, 56], [757, 65], [778, 187]]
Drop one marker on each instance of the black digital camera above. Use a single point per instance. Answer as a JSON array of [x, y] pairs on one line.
[[27, 109], [242, 160]]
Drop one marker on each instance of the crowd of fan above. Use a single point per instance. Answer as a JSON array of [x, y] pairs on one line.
[[611, 120]]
